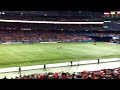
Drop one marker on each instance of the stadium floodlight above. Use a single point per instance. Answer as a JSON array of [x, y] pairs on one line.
[[3, 12], [106, 13], [107, 21], [21, 13], [49, 22], [62, 29], [112, 12], [118, 12]]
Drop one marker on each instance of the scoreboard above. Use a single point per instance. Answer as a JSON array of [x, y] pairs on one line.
[[112, 14]]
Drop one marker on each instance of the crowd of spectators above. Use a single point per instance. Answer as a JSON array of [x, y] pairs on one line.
[[50, 36], [99, 34], [99, 74], [105, 34], [39, 36]]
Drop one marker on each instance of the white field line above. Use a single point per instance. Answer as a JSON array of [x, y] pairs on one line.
[[13, 69]]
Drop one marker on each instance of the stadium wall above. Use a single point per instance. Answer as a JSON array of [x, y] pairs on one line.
[[12, 43], [28, 42]]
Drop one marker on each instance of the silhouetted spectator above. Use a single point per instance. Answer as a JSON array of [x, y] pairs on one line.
[[5, 77], [98, 61], [71, 63], [44, 66], [20, 71]]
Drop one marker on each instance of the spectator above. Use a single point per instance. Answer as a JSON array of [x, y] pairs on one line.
[[98, 61], [71, 63], [5, 77], [44, 66], [19, 71]]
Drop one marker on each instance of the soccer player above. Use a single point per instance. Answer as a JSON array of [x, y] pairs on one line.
[[60, 47], [94, 42]]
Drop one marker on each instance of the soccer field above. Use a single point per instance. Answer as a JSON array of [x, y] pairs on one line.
[[12, 55]]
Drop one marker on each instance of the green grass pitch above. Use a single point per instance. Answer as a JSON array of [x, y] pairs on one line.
[[13, 55]]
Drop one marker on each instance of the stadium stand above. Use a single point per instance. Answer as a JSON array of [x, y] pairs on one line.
[[50, 36], [99, 74], [39, 36], [31, 33]]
